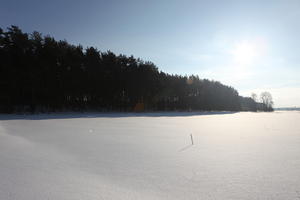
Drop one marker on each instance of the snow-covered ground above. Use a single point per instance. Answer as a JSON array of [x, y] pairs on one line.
[[150, 156]]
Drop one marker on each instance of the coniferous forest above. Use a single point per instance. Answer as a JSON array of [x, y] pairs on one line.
[[40, 74]]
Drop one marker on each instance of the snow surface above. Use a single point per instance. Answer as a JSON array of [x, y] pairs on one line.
[[150, 156]]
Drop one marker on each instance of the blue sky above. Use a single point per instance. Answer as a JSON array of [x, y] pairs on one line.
[[250, 45]]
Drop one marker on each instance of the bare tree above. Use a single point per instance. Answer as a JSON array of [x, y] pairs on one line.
[[267, 100], [254, 97]]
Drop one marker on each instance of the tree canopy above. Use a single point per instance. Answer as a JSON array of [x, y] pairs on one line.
[[41, 74]]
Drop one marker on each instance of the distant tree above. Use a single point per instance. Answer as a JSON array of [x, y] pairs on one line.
[[254, 97], [267, 100], [248, 104]]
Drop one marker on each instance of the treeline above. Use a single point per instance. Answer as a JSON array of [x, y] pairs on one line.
[[40, 74]]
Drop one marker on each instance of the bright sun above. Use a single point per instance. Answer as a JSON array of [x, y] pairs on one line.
[[246, 55], [245, 52]]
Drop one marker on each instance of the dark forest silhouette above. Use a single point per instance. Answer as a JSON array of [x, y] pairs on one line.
[[40, 74]]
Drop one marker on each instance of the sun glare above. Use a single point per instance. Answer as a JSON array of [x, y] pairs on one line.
[[245, 53]]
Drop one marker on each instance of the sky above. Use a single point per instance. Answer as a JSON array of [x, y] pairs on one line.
[[251, 45]]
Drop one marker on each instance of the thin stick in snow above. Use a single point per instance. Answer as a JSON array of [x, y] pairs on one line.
[[192, 139]]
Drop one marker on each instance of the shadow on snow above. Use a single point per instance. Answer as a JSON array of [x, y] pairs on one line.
[[70, 115]]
